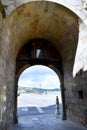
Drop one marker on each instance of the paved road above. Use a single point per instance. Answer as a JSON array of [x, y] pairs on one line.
[[45, 122], [37, 110], [33, 115], [34, 104]]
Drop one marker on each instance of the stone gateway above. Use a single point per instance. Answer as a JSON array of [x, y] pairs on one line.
[[56, 30]]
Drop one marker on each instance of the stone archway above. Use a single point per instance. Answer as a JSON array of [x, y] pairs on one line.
[[27, 57], [60, 76], [39, 20]]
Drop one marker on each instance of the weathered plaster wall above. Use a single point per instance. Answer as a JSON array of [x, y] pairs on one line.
[[80, 59]]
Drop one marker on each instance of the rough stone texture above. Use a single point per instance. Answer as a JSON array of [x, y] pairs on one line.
[[77, 101], [2, 79], [27, 23], [59, 26], [79, 7], [43, 122]]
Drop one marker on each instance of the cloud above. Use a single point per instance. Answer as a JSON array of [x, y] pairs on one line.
[[51, 82], [39, 76]]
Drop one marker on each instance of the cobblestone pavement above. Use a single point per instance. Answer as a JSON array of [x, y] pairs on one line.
[[45, 122]]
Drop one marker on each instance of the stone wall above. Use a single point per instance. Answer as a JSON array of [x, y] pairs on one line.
[[76, 96], [14, 38], [33, 25], [6, 79], [2, 79], [79, 7], [9, 77]]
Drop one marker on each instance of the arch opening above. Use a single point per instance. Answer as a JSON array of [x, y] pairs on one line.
[[56, 36], [27, 57], [37, 93]]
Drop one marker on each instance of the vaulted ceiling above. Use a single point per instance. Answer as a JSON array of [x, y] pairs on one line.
[[46, 20]]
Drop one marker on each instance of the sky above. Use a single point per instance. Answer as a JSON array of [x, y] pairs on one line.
[[39, 76]]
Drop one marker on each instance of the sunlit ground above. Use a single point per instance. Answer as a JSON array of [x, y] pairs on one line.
[[41, 100]]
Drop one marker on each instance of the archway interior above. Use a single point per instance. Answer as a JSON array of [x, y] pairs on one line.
[[42, 22], [38, 87], [39, 52]]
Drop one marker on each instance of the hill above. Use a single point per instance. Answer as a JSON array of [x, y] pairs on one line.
[[36, 90]]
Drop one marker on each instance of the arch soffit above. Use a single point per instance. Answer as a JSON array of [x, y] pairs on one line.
[[10, 21], [80, 15], [63, 3]]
